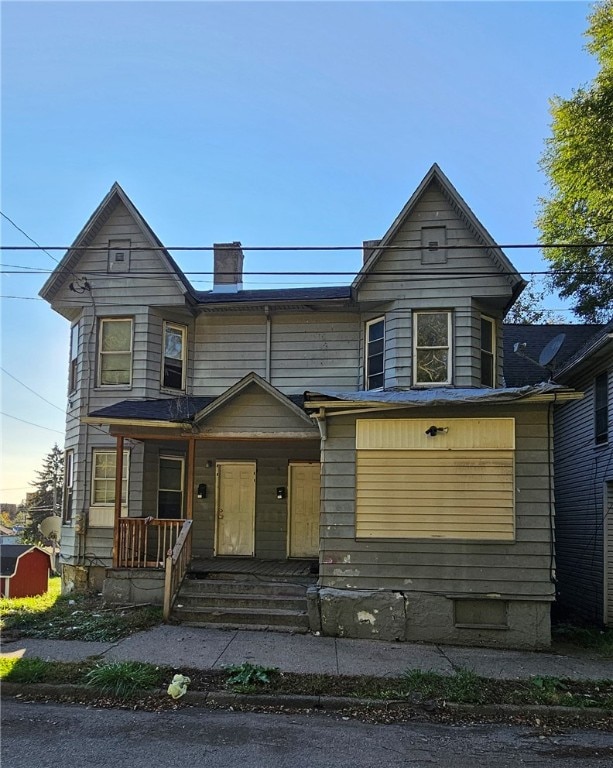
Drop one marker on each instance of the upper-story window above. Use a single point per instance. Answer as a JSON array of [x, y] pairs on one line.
[[74, 356], [601, 408], [103, 476], [115, 352], [374, 374], [432, 347], [67, 501], [488, 351], [173, 354]]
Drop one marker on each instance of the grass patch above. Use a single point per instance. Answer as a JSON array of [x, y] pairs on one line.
[[72, 617], [28, 670], [124, 678]]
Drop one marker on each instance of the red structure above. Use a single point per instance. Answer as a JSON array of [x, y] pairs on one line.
[[24, 570]]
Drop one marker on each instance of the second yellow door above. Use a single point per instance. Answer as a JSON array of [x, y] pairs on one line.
[[304, 485], [235, 508]]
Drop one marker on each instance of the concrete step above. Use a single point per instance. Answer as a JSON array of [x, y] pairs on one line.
[[229, 600], [207, 586], [291, 630], [271, 618]]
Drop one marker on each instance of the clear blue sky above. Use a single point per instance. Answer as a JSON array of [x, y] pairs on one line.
[[271, 123]]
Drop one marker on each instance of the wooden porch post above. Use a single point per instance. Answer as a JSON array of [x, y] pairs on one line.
[[191, 457], [118, 484]]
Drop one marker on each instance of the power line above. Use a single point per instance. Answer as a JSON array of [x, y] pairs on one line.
[[23, 421], [31, 239], [44, 399], [448, 247]]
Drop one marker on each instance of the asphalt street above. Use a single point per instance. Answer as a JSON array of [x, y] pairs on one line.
[[71, 736]]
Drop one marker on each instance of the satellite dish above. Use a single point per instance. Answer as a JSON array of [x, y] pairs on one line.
[[551, 349], [51, 527]]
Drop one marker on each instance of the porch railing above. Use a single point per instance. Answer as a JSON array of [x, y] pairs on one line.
[[177, 563], [144, 542]]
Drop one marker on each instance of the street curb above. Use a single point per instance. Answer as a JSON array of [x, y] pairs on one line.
[[305, 702]]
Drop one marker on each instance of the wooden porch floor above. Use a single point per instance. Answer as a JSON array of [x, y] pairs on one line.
[[249, 566]]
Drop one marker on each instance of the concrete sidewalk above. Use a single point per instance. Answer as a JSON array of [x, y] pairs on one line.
[[200, 648]]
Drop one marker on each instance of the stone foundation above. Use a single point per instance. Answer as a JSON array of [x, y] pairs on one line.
[[128, 586], [78, 578], [440, 619]]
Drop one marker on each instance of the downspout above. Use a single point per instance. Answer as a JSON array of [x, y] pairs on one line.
[[268, 342], [320, 419]]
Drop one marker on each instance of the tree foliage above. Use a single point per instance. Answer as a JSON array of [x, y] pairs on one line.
[[578, 160], [46, 499], [529, 307]]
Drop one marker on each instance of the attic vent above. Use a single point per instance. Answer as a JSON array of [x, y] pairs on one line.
[[433, 242], [119, 256]]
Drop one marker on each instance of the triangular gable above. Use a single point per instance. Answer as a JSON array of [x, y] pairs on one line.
[[252, 405], [435, 174], [70, 262]]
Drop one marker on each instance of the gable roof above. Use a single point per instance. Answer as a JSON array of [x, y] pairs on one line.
[[10, 555], [86, 236], [275, 295], [241, 386], [519, 370], [436, 175]]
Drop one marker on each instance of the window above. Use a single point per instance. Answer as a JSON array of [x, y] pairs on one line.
[[488, 346], [170, 487], [103, 477], [68, 486], [173, 362], [115, 352], [601, 408], [74, 353], [432, 345], [375, 354]]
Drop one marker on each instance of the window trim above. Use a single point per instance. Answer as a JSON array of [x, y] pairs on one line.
[[183, 329], [126, 480], [601, 438], [449, 347], [68, 493], [130, 352], [367, 376], [492, 354], [172, 490], [74, 358]]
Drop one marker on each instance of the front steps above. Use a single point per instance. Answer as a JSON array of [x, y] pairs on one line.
[[242, 603]]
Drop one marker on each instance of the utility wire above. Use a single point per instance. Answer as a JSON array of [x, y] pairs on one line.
[[448, 247], [44, 399], [23, 421], [31, 239]]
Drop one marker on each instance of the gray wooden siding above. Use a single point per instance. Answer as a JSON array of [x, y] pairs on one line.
[[515, 569], [319, 349], [581, 469], [132, 288], [227, 348], [272, 460]]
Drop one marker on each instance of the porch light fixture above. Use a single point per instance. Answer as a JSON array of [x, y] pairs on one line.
[[434, 431], [202, 491]]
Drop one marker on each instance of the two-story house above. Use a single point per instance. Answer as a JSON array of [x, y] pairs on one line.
[[362, 432], [583, 462]]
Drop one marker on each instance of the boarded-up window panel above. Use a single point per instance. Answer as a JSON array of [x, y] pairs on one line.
[[410, 434], [435, 494]]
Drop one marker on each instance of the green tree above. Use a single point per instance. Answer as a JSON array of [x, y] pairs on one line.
[[578, 160], [529, 309], [46, 499]]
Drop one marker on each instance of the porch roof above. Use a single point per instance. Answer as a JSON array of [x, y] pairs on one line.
[[171, 410], [438, 396]]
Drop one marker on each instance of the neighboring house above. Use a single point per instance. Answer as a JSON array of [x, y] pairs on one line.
[[583, 462], [365, 428], [8, 535], [24, 570]]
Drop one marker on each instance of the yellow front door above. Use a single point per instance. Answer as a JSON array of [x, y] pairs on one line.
[[235, 508], [304, 484]]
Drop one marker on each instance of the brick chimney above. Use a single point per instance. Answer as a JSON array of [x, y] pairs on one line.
[[368, 246], [227, 267]]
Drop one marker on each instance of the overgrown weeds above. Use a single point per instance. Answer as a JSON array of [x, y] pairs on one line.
[[73, 617], [583, 638], [246, 677]]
